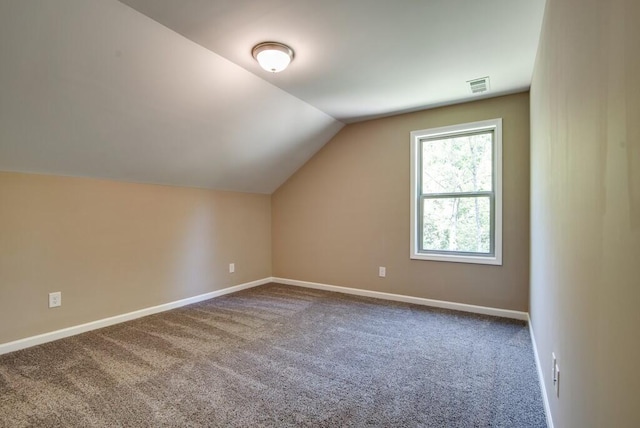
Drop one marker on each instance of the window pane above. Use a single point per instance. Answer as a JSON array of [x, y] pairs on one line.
[[457, 164], [457, 224]]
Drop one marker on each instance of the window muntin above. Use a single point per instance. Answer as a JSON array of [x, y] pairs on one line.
[[456, 193]]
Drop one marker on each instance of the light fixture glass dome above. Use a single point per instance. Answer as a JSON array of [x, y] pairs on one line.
[[273, 56]]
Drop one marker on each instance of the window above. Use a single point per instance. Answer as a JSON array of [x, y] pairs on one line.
[[456, 193]]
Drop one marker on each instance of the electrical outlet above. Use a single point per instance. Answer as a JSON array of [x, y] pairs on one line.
[[55, 299], [232, 267], [382, 271], [555, 374]]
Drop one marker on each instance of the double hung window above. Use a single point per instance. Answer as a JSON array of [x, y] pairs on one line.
[[456, 193]]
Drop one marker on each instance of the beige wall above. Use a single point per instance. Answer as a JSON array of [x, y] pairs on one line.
[[346, 212], [114, 247], [585, 217]]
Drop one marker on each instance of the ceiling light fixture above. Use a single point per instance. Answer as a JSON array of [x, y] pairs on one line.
[[272, 56]]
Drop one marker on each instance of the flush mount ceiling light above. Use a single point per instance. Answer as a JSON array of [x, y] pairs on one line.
[[272, 56]]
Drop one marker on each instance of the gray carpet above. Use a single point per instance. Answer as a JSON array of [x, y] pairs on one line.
[[281, 356]]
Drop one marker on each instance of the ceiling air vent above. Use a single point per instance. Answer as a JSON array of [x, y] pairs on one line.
[[479, 86]]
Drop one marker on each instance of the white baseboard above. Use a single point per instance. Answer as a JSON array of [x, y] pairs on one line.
[[71, 331], [105, 322], [505, 313], [543, 389]]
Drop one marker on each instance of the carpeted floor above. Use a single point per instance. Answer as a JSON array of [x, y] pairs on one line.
[[278, 355]]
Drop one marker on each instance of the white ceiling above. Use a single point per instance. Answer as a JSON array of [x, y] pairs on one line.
[[94, 88], [357, 59]]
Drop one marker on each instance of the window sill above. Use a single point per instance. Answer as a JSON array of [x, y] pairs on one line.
[[481, 260]]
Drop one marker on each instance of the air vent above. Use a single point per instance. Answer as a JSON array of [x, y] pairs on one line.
[[479, 86]]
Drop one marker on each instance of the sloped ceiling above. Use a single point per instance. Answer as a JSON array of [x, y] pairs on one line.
[[93, 88], [359, 59], [166, 91]]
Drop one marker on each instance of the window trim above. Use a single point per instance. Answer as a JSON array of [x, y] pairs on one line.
[[494, 125]]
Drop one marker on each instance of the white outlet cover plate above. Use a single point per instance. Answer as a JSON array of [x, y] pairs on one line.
[[55, 299]]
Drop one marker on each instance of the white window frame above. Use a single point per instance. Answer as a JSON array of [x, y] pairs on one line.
[[416, 137]]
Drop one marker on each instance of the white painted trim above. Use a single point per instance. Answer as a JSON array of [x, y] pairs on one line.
[[105, 322], [543, 389], [505, 313], [415, 177]]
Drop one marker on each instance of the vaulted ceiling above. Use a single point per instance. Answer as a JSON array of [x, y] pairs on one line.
[[166, 91]]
